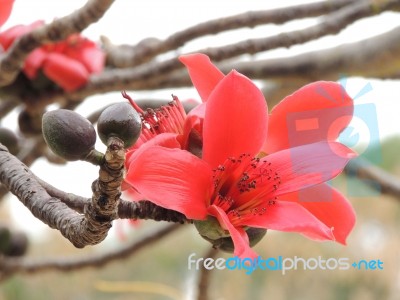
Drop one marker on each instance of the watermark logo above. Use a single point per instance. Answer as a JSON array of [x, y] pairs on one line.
[[362, 134], [354, 123], [279, 263]]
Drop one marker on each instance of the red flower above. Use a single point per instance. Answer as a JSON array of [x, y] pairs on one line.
[[5, 11], [230, 182], [68, 63], [168, 118], [163, 126], [317, 112], [172, 118]]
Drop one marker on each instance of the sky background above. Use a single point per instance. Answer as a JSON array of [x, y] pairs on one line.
[[130, 21]]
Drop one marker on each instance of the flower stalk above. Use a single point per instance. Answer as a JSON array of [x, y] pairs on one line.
[[107, 188]]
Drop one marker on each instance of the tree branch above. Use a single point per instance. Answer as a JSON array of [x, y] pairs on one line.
[[381, 53], [156, 75], [11, 266], [12, 60], [143, 209], [129, 56], [373, 176], [81, 230], [204, 280], [6, 106], [331, 24]]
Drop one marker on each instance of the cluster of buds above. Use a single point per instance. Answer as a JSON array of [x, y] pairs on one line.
[[73, 137]]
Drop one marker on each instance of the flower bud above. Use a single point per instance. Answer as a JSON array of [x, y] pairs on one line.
[[12, 243], [68, 134], [5, 237], [9, 139], [226, 244], [211, 231], [29, 125], [119, 120]]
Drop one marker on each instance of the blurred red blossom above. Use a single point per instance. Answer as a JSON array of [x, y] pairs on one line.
[[68, 63], [5, 11]]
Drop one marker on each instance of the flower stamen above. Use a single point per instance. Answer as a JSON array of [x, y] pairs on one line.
[[242, 186], [169, 118]]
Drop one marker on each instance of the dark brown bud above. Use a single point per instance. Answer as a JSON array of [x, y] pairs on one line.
[[29, 124], [119, 120], [12, 243], [68, 134], [9, 139]]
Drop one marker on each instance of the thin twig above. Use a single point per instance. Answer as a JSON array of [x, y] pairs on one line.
[[128, 56], [376, 178], [144, 209], [28, 265], [156, 75], [204, 280], [379, 51], [6, 106], [332, 23]]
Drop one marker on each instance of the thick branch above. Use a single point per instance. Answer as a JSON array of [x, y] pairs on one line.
[[12, 60], [81, 230], [10, 266]]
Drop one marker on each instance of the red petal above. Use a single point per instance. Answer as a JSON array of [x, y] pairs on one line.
[[7, 37], [304, 166], [291, 217], [165, 177], [167, 140], [66, 72], [235, 120], [194, 120], [34, 62], [238, 235], [205, 76], [316, 112], [5, 11], [90, 56], [329, 206], [93, 59], [199, 111]]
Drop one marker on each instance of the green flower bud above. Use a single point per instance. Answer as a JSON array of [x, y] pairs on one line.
[[211, 231], [68, 134], [120, 120], [226, 244]]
